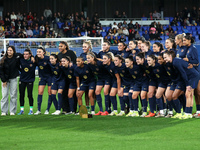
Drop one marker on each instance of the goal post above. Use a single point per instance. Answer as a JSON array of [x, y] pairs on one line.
[[50, 44]]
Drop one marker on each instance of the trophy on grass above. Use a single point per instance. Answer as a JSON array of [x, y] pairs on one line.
[[84, 113]]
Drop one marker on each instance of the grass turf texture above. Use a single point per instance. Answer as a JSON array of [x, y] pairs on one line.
[[100, 132]]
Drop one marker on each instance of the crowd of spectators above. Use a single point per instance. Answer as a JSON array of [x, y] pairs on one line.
[[28, 25]]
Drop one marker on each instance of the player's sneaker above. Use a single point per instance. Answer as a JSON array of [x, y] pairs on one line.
[[12, 114], [129, 114], [57, 112], [3, 114], [144, 114], [77, 113], [69, 113], [30, 112], [121, 114], [169, 115], [92, 113], [186, 116], [135, 114], [198, 116], [113, 113], [150, 115], [46, 112], [21, 112], [178, 115], [37, 112], [105, 113], [99, 113], [160, 115]]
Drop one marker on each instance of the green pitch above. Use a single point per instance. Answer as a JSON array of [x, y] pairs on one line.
[[47, 132]]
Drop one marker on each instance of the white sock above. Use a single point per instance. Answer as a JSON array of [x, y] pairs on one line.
[[22, 108], [31, 109], [115, 110], [197, 112], [171, 112], [161, 111], [122, 111], [131, 111]]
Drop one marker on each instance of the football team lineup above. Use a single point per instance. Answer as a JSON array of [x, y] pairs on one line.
[[166, 80]]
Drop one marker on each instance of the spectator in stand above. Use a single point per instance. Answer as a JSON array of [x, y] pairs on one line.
[[194, 13], [42, 28], [112, 40], [73, 32], [110, 32], [150, 16], [94, 30], [125, 24], [66, 29], [168, 30], [89, 34], [124, 14], [1, 20], [137, 35], [122, 39], [19, 15], [47, 34], [1, 27], [157, 36], [41, 35], [119, 32], [116, 40], [24, 25], [47, 45], [117, 15], [125, 31], [171, 35], [185, 30], [106, 38], [114, 25], [185, 13], [115, 32], [78, 30], [42, 21], [174, 22], [146, 35], [29, 22], [156, 15], [13, 33], [53, 45], [131, 35], [29, 16], [29, 32], [48, 14], [33, 45], [130, 25], [136, 26], [7, 22], [13, 16], [98, 34]]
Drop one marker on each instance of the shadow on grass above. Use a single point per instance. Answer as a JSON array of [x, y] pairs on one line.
[[107, 124]]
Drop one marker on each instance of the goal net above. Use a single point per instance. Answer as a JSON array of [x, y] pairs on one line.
[[50, 44]]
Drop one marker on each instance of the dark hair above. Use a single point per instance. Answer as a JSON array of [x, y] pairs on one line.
[[80, 57], [173, 42], [65, 43], [124, 44], [36, 57], [141, 55], [171, 53], [29, 51], [42, 49], [188, 37], [6, 55], [67, 58], [106, 41], [159, 45], [134, 41], [120, 57], [56, 57], [153, 57], [130, 58]]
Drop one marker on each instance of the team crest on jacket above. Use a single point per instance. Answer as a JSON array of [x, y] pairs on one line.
[[31, 65], [87, 71], [69, 76], [122, 54], [45, 63], [182, 50], [26, 69], [41, 67]]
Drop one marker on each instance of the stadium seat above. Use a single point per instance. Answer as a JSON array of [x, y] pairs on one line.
[[166, 18], [179, 23], [144, 28], [60, 25], [174, 28], [164, 27], [194, 33], [193, 28], [198, 28], [140, 32], [189, 27], [166, 37], [196, 37], [103, 34], [144, 18], [179, 32], [82, 33], [171, 19], [179, 28], [104, 29], [107, 28]]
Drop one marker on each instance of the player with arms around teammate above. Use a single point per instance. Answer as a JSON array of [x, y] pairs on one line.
[[45, 74], [27, 78]]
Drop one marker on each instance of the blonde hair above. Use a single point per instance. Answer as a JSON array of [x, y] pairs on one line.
[[89, 43], [110, 55], [180, 36]]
